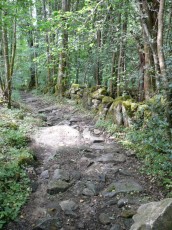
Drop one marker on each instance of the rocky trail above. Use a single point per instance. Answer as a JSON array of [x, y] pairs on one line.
[[84, 179]]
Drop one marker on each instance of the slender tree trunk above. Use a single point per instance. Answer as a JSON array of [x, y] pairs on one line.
[[9, 58], [121, 59], [62, 71], [98, 67]]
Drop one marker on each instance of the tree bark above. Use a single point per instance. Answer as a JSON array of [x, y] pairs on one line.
[[62, 71]]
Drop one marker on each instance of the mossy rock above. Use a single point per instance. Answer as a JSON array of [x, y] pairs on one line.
[[102, 110], [99, 94], [143, 112], [86, 98], [93, 89], [107, 100], [74, 88], [130, 106], [75, 97], [67, 94]]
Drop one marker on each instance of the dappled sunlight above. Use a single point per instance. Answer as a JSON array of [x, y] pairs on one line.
[[58, 136]]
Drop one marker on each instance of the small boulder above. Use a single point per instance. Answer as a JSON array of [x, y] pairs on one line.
[[154, 215], [55, 187], [68, 205], [60, 174], [104, 218], [44, 175], [99, 94]]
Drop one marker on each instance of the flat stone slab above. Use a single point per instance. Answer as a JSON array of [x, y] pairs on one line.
[[122, 186], [111, 158], [57, 135], [55, 187]]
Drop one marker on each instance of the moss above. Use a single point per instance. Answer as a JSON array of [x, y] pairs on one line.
[[130, 107], [75, 86], [107, 100], [99, 94], [25, 159], [102, 110], [93, 89]]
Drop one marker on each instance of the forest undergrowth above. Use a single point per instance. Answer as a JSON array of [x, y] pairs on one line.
[[148, 138], [15, 155]]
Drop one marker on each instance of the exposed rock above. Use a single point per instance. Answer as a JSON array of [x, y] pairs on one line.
[[118, 115], [53, 208], [76, 175], [86, 100], [50, 223], [44, 175], [104, 218], [112, 158], [74, 88], [97, 146], [125, 172], [107, 147], [48, 109], [68, 205], [116, 227], [85, 162], [99, 94], [87, 134], [97, 139], [75, 119], [88, 192], [122, 186], [55, 187], [95, 103], [97, 132], [34, 186], [126, 118], [122, 202], [130, 153], [128, 213], [60, 174], [154, 215]]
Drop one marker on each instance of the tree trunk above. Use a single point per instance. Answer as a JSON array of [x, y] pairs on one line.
[[8, 58], [164, 75], [148, 13], [62, 71]]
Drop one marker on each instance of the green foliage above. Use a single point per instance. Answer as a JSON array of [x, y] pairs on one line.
[[14, 155], [148, 137], [14, 191]]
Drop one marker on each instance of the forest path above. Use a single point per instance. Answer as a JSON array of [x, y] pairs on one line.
[[84, 179]]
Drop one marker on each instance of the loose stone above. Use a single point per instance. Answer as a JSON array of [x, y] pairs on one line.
[[55, 187], [104, 218], [44, 175]]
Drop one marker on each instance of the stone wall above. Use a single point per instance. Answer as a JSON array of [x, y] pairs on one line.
[[120, 110]]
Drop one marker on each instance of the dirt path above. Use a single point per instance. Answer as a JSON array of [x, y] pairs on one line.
[[84, 180]]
